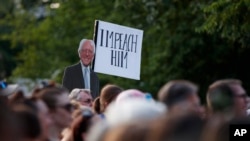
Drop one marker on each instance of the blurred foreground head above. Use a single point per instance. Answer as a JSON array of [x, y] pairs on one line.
[[176, 128], [132, 106], [81, 124], [108, 94], [227, 96], [9, 130], [128, 132], [130, 94], [180, 96], [7, 89], [60, 108]]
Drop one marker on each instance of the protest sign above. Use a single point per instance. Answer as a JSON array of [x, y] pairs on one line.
[[118, 50]]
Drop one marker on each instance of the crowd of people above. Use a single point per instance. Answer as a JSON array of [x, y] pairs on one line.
[[53, 113], [79, 110]]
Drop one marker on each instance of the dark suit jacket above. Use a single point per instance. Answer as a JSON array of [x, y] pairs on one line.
[[73, 78]]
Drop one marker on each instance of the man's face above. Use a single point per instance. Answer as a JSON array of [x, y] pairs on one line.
[[61, 116], [86, 53], [240, 99], [85, 99], [44, 117], [194, 101]]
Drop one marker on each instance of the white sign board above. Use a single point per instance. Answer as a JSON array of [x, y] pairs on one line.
[[118, 50]]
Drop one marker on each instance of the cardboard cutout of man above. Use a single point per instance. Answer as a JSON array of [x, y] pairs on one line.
[[81, 75]]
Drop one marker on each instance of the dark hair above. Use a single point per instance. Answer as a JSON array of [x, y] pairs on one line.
[[172, 127], [188, 128], [176, 91], [108, 93], [49, 95], [133, 131], [31, 103], [43, 85], [97, 105], [220, 98], [81, 124], [8, 123], [16, 97], [29, 126]]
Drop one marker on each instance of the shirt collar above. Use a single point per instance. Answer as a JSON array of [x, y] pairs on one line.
[[84, 66]]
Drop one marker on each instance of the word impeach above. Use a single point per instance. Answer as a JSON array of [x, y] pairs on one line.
[[116, 40], [120, 45]]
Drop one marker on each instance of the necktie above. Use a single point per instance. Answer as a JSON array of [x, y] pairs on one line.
[[86, 77]]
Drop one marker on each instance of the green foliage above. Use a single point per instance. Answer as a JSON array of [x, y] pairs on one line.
[[229, 18], [201, 41], [228, 21]]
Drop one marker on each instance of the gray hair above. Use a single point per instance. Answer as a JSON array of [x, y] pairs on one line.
[[74, 94], [85, 40]]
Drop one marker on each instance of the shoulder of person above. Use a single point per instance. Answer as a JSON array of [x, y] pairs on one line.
[[74, 66]]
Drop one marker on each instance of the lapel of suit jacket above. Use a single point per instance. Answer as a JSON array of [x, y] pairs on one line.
[[80, 75], [91, 78]]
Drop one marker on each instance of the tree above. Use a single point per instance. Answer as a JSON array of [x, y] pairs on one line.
[[180, 39], [7, 62], [229, 20]]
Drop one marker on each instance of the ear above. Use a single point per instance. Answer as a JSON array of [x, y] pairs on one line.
[[79, 54]]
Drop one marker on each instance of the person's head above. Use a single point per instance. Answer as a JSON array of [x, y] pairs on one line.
[[40, 109], [43, 115], [128, 132], [81, 124], [97, 105], [133, 109], [9, 131], [6, 89], [176, 128], [181, 94], [83, 96], [16, 97], [86, 51], [108, 94], [60, 108], [227, 95], [130, 94], [29, 124]]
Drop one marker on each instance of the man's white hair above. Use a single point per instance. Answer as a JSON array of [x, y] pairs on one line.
[[85, 40], [74, 94]]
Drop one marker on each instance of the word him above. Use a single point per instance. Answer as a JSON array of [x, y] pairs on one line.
[[119, 58]]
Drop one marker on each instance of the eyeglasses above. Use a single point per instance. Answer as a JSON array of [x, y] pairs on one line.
[[87, 101], [242, 96], [87, 51], [68, 107], [3, 85]]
